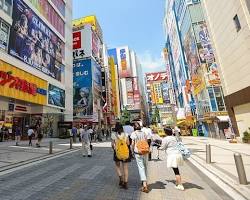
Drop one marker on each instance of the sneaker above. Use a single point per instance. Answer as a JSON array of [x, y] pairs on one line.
[[84, 155], [89, 156], [179, 187]]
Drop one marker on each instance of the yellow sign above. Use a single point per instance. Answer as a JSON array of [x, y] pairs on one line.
[[92, 20], [113, 72], [18, 84], [198, 84], [158, 93]]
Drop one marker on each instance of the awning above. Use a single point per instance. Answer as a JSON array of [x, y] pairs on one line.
[[223, 118]]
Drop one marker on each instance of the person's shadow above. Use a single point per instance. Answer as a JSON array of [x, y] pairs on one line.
[[187, 185], [157, 185]]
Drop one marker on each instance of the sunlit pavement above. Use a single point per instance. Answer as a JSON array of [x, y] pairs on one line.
[[72, 176]]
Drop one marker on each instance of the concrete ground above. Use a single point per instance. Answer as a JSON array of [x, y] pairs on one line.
[[223, 165], [73, 177]]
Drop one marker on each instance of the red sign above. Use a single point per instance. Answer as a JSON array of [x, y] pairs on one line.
[[17, 83], [157, 76], [77, 40]]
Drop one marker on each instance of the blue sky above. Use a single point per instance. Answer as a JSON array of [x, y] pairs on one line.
[[136, 23]]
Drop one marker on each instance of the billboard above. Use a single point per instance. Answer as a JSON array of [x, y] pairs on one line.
[[33, 42], [47, 10], [190, 52], [156, 76], [137, 99], [82, 91], [130, 93], [124, 62], [82, 45], [18, 84], [56, 96], [165, 92], [97, 75]]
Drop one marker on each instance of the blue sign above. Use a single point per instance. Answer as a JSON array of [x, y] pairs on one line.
[[82, 84]]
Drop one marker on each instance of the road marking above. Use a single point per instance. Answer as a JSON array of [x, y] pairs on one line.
[[36, 162], [38, 186], [16, 181], [92, 173]]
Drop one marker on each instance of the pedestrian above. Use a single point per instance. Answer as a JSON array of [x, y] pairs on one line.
[[177, 133], [39, 136], [174, 157], [17, 135], [91, 132], [1, 133], [147, 130], [120, 145], [30, 135], [85, 138], [140, 149], [74, 133]]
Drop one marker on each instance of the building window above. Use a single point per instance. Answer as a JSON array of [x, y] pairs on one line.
[[6, 6], [219, 98], [237, 23], [4, 35]]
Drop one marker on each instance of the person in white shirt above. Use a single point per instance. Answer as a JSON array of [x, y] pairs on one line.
[[30, 135], [85, 137], [174, 157], [128, 129]]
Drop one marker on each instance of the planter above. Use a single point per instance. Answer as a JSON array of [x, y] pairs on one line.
[[246, 140]]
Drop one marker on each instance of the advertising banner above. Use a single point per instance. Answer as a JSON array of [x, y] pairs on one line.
[[158, 93], [82, 91], [198, 84], [137, 99], [18, 84], [97, 75], [124, 62], [82, 44], [152, 91], [114, 81], [190, 52], [156, 76], [32, 42], [165, 93], [56, 96], [50, 14], [213, 77]]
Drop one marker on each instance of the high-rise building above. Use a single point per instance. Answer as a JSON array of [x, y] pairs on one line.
[[131, 83], [35, 58], [158, 98], [88, 52], [194, 69], [230, 30]]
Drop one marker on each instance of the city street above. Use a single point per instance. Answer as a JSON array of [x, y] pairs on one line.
[[72, 176]]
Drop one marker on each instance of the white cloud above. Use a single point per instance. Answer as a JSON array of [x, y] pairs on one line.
[[151, 63]]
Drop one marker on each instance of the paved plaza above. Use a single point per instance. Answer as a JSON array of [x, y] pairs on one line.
[[72, 177]]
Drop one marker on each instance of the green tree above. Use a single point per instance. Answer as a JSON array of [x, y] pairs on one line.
[[156, 116], [125, 116]]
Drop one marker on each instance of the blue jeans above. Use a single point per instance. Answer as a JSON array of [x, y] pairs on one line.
[[141, 161]]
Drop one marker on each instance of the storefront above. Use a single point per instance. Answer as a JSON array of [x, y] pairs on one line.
[[22, 97]]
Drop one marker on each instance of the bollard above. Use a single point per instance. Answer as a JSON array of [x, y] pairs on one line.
[[70, 143], [208, 153], [50, 147], [240, 169]]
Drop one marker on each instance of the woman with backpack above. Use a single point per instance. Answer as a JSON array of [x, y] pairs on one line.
[[174, 157], [120, 145], [140, 149]]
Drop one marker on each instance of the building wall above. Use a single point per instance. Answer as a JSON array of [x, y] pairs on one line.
[[232, 47], [242, 113]]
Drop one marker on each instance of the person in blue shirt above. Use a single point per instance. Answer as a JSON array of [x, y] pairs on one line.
[[17, 135]]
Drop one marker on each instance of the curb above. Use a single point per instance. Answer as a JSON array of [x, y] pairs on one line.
[[235, 191]]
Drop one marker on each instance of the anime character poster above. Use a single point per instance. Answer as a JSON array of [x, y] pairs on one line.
[[83, 93], [34, 43], [56, 96]]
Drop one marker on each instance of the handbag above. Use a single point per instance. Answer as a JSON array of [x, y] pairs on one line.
[[185, 152]]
